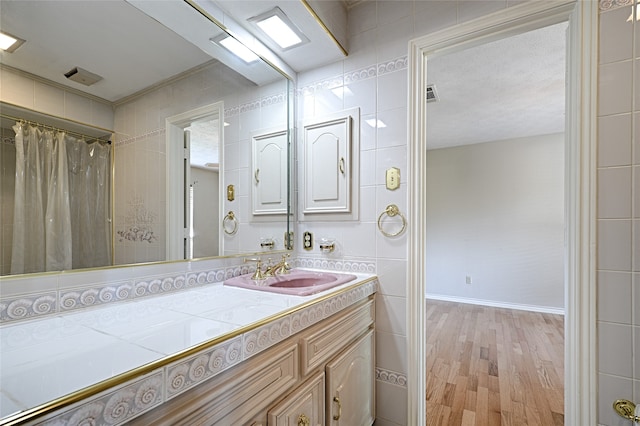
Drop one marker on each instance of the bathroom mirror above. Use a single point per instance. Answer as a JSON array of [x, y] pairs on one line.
[[150, 73]]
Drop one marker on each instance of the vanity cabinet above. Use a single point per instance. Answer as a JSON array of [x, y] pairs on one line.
[[323, 372], [350, 386]]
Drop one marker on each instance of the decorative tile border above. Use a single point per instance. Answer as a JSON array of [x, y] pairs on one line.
[[28, 306], [336, 265], [256, 104], [159, 285], [67, 299], [116, 407], [94, 296], [356, 75], [388, 376], [185, 374], [261, 338], [138, 396], [133, 139], [614, 4]]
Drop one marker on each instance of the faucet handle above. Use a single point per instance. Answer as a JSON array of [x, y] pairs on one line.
[[285, 265], [258, 274]]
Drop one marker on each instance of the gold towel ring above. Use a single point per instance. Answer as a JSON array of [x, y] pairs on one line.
[[232, 218], [391, 211]]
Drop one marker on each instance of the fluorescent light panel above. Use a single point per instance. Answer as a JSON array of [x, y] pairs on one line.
[[280, 32], [277, 26], [9, 43], [237, 48]]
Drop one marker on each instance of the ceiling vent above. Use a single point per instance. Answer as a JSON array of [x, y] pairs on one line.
[[432, 95], [82, 76]]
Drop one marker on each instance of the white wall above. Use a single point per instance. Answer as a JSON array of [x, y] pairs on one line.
[[495, 212], [206, 203]]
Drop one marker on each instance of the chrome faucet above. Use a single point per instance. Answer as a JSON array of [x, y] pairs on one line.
[[279, 268]]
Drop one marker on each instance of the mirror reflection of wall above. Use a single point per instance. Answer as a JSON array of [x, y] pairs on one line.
[[203, 188], [149, 73]]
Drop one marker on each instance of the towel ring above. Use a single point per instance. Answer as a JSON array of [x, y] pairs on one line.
[[230, 217], [391, 211], [626, 409]]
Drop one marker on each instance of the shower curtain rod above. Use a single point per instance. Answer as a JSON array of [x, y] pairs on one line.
[[87, 138]]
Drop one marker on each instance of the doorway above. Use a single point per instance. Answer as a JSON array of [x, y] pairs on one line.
[[580, 389], [194, 182]]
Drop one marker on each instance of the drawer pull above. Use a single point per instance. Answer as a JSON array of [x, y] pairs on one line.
[[303, 420], [337, 417]]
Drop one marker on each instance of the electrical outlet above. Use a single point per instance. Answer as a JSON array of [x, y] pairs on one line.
[[307, 240], [469, 280]]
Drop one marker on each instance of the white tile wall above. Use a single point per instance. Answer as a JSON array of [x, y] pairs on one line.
[[140, 147], [618, 203]]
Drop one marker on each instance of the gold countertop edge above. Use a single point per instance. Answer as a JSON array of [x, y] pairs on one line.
[[77, 396]]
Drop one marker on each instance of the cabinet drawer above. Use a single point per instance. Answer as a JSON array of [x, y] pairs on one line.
[[237, 397], [322, 343]]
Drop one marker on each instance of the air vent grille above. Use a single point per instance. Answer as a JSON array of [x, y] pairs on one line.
[[432, 95]]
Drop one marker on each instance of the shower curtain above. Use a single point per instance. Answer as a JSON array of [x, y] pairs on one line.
[[56, 197]]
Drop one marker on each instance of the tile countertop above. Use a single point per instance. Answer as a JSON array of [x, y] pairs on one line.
[[41, 360]]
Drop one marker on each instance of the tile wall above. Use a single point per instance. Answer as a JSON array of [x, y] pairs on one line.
[[618, 208], [140, 180]]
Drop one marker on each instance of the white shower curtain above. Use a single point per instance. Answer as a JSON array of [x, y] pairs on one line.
[[46, 195]]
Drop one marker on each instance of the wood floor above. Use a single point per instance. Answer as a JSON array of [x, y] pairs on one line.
[[493, 366]]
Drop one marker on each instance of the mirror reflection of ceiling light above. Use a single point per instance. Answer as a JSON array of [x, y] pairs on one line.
[[342, 91], [9, 43], [376, 124], [279, 28], [237, 48]]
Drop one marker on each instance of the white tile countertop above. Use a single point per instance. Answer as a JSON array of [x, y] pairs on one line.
[[45, 359]]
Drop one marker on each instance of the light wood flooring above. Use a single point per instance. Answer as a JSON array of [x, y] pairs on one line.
[[493, 366]]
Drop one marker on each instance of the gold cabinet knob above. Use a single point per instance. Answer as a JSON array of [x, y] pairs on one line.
[[303, 420]]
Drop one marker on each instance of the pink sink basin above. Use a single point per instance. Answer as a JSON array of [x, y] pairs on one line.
[[297, 282]]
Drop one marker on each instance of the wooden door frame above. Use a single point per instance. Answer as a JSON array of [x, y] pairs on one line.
[[580, 192]]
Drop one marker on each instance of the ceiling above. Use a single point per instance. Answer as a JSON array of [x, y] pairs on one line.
[[502, 90], [507, 89], [110, 38], [120, 41]]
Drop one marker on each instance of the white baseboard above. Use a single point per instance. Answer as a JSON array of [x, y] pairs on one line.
[[493, 303]]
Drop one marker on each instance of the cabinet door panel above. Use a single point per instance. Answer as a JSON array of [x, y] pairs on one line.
[[303, 407], [269, 189], [327, 176], [350, 387]]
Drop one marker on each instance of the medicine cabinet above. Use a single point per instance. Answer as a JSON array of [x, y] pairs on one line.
[[269, 174], [331, 166]]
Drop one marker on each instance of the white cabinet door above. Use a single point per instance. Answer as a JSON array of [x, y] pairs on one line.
[[269, 189], [327, 157], [303, 407], [350, 385]]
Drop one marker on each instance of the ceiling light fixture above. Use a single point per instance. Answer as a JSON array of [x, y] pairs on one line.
[[9, 43], [235, 47], [279, 28]]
